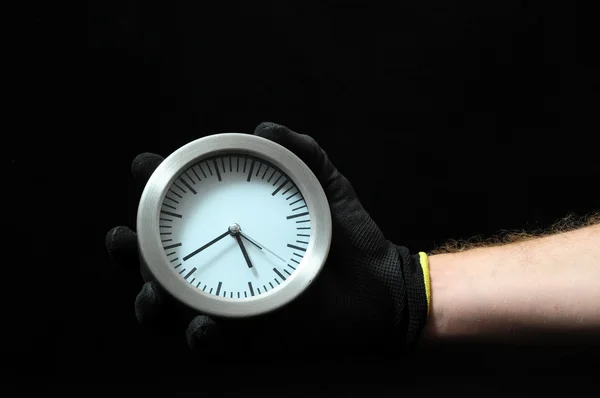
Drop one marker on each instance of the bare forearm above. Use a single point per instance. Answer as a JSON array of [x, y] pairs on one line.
[[523, 291]]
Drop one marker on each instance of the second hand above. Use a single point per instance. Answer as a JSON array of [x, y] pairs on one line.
[[260, 246]]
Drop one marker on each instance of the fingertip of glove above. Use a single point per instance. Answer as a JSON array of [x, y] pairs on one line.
[[201, 332], [302, 145], [148, 303], [119, 241], [272, 131], [144, 164]]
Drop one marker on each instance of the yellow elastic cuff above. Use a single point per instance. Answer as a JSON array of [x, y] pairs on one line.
[[424, 260]]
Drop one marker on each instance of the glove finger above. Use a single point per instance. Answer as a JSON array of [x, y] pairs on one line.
[[339, 191], [121, 244], [150, 304], [304, 146], [202, 335], [144, 165]]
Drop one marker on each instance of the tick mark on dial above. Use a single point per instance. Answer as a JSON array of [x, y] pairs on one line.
[[176, 194], [258, 289], [251, 289], [278, 274], [271, 285], [198, 284], [184, 182], [217, 170], [182, 190], [292, 195], [277, 281], [251, 168], [303, 221], [170, 254], [293, 203], [302, 227], [169, 206], [190, 177], [182, 271], [171, 199], [219, 288], [298, 208], [177, 266], [204, 288], [170, 213], [209, 169], [291, 267], [294, 260], [230, 166], [287, 272], [211, 289], [175, 259], [279, 188], [287, 190], [245, 161], [303, 235], [166, 240], [277, 180], [196, 174], [297, 215], [272, 174], [165, 219], [223, 164], [172, 246], [192, 281], [202, 170], [265, 173], [190, 273]]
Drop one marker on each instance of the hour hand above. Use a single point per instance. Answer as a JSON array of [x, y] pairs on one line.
[[260, 246], [244, 252]]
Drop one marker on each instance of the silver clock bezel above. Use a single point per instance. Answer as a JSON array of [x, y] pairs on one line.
[[151, 248]]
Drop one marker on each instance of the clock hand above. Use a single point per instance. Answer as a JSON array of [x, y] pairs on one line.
[[251, 241], [244, 252], [218, 238], [255, 243]]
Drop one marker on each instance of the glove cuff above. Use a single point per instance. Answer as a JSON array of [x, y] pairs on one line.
[[415, 272]]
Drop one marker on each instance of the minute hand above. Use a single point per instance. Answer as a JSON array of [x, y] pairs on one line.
[[212, 242], [255, 243]]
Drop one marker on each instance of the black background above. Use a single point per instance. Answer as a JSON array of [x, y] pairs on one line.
[[485, 112]]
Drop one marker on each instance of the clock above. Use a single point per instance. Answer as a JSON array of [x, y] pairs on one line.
[[233, 225]]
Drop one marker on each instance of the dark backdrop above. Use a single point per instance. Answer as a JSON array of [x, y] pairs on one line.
[[488, 111]]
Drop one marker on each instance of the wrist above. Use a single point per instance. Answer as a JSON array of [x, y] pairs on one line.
[[439, 290]]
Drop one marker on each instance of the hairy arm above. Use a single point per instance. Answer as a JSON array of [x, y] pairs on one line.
[[542, 290]]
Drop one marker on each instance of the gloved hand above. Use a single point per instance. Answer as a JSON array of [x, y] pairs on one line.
[[371, 295]]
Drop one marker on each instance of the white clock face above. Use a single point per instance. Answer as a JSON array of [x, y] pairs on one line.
[[234, 226]]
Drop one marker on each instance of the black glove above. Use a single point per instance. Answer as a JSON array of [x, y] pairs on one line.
[[370, 295]]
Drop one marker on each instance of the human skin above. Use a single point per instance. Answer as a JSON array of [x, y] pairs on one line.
[[542, 290]]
